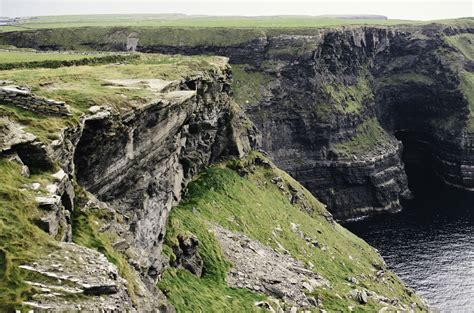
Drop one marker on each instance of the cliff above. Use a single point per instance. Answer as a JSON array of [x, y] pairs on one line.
[[133, 157], [336, 106], [85, 200]]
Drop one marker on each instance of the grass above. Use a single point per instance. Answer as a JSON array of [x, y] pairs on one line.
[[254, 206], [20, 240], [17, 59], [45, 128], [84, 86], [464, 43], [406, 78], [85, 225], [188, 293], [248, 86], [345, 99], [369, 135], [155, 20], [467, 87], [7, 57]]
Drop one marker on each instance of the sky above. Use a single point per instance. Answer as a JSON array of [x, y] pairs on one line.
[[401, 9]]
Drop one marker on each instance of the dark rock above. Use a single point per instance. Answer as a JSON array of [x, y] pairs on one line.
[[187, 254], [101, 290], [262, 162]]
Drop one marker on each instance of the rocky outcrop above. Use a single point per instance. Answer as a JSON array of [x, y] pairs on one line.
[[22, 97], [149, 155], [262, 269], [136, 163], [187, 255], [62, 286]]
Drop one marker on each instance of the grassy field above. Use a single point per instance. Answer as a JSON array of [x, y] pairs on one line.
[[193, 21], [176, 20], [19, 56]]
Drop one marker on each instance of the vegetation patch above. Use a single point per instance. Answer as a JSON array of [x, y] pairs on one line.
[[258, 208], [85, 225], [20, 240], [467, 88], [464, 43], [345, 99], [186, 291], [249, 87], [406, 78], [369, 136], [11, 60]]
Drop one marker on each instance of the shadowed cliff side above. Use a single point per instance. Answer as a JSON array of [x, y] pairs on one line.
[[328, 101]]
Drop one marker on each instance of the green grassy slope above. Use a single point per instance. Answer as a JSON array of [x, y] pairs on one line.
[[20, 240], [256, 207], [464, 43]]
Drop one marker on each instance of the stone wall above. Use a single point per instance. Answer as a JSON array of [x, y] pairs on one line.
[[24, 98]]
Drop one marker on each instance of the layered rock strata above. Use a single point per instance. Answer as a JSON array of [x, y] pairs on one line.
[[134, 165], [324, 85]]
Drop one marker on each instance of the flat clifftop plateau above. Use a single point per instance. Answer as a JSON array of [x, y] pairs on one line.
[[333, 103]]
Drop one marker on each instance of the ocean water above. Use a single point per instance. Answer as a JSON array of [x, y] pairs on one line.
[[430, 244]]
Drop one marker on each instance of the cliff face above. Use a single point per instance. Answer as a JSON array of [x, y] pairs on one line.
[[330, 95], [134, 164], [332, 102]]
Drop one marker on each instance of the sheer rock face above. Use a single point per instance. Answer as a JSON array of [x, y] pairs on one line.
[[413, 77], [139, 162]]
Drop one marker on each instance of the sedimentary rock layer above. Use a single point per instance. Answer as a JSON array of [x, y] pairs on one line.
[[329, 90]]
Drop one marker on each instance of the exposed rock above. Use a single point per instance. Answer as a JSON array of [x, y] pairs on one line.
[[359, 295], [187, 254], [262, 269], [25, 171], [77, 270], [152, 151], [22, 97], [353, 280], [12, 134]]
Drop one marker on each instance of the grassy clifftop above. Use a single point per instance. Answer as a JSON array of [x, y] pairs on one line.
[[120, 81], [251, 204], [91, 34]]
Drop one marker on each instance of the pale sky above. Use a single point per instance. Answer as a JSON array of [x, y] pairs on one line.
[[404, 9]]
